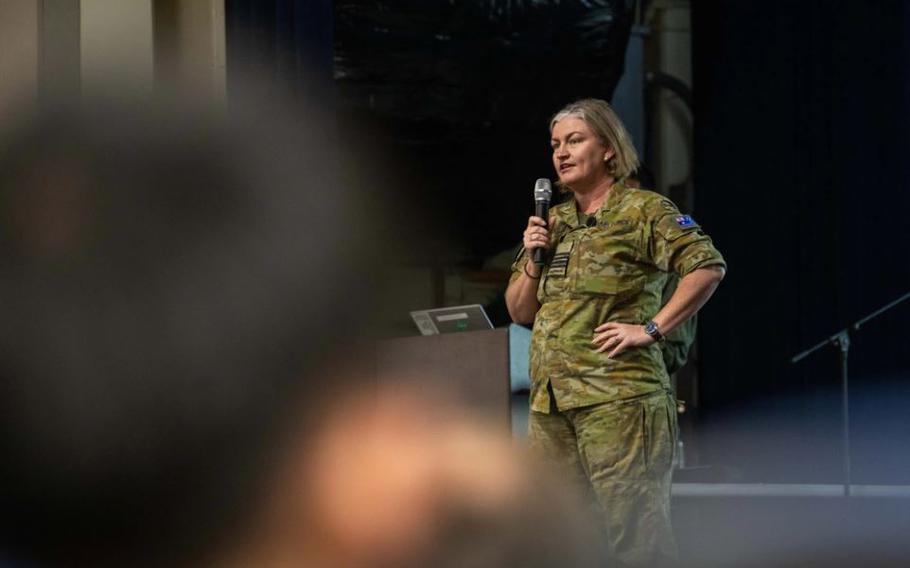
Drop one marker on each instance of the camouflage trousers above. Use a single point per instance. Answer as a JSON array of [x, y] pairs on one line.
[[622, 452]]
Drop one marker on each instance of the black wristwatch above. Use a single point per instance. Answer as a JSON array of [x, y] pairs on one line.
[[654, 331]]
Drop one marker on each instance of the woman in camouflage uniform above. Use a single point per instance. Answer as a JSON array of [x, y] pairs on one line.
[[601, 402]]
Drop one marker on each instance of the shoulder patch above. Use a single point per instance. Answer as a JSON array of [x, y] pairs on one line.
[[684, 221]]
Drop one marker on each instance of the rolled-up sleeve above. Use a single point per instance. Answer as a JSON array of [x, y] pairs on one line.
[[678, 244], [518, 265]]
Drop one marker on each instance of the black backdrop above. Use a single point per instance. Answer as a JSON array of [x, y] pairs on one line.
[[454, 97], [801, 173], [290, 41]]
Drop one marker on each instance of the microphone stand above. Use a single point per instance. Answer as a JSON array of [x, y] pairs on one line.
[[841, 340]]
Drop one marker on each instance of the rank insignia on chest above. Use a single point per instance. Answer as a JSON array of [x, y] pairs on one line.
[[560, 261], [685, 221]]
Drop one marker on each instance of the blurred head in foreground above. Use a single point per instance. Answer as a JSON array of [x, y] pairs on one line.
[[167, 279], [177, 291], [411, 485]]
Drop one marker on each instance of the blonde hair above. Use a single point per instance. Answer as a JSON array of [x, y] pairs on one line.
[[602, 119]]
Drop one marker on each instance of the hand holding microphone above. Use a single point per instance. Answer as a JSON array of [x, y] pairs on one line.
[[537, 236]]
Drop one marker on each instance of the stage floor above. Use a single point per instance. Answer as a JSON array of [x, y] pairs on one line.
[[722, 525]]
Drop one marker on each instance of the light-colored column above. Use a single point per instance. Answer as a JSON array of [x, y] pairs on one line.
[[190, 47], [673, 132], [117, 46], [59, 72], [19, 53]]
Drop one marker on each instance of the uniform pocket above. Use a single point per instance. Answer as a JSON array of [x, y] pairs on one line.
[[608, 262], [659, 425], [611, 440]]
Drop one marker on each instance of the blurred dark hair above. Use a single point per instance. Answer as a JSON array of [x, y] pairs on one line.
[[169, 281]]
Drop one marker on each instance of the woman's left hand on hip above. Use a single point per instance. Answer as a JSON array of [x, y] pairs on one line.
[[618, 337]]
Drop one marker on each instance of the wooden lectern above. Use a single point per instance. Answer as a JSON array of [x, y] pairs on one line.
[[472, 366]]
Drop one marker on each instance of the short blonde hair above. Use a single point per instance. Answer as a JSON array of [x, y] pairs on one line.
[[602, 119]]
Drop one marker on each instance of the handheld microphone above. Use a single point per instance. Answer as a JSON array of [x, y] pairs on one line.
[[542, 194]]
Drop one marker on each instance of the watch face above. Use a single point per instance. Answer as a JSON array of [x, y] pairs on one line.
[[650, 328]]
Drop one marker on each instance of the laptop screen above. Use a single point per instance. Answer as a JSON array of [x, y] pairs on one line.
[[451, 320]]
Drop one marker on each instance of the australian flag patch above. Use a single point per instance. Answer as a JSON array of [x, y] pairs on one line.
[[685, 221]]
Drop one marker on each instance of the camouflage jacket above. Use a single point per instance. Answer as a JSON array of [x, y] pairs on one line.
[[613, 271]]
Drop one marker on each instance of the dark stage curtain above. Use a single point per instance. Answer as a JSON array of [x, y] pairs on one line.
[[801, 151], [460, 93], [289, 41]]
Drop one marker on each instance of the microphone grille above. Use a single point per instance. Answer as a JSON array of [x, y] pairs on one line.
[[542, 190]]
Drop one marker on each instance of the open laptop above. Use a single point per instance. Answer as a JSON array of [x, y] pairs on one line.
[[451, 320]]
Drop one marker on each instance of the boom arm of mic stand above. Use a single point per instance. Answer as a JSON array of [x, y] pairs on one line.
[[833, 340], [841, 338], [880, 311]]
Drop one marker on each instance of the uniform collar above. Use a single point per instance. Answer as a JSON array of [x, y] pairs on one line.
[[617, 193]]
